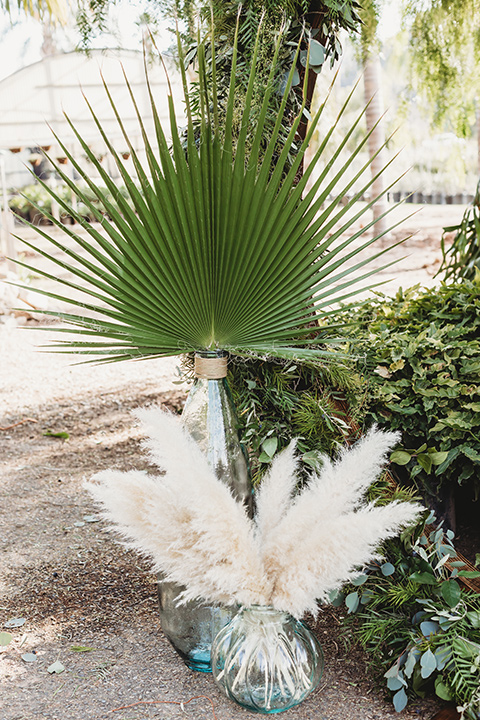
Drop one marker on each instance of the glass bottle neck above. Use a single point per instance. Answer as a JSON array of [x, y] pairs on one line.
[[211, 364]]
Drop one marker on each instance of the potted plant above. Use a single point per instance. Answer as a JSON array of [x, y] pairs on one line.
[[213, 248]]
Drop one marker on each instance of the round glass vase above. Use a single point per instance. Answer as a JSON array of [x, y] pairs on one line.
[[210, 418], [266, 661]]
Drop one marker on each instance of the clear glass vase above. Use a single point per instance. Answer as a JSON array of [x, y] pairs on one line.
[[210, 418], [266, 661]]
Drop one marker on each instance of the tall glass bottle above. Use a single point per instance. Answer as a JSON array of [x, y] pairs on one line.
[[210, 418]]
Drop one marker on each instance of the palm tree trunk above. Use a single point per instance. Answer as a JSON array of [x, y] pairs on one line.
[[374, 112]]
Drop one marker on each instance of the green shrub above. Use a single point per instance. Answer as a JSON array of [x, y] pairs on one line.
[[420, 627], [422, 350], [277, 400]]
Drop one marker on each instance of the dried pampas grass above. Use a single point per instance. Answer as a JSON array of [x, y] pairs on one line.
[[299, 547]]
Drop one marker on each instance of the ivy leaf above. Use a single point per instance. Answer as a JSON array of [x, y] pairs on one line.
[[264, 458], [438, 458], [425, 462], [400, 457], [56, 667], [451, 592]]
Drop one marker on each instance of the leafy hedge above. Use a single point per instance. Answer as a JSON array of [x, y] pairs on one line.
[[423, 352]]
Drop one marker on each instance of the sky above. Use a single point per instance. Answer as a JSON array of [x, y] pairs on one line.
[[20, 44]]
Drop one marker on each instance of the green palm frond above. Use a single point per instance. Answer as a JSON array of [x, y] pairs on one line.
[[210, 248]]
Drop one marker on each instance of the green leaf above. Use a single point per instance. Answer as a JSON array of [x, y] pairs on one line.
[[162, 278], [400, 457], [81, 648], [424, 578], [270, 446], [264, 458], [62, 435], [474, 618], [442, 690], [468, 573], [438, 458], [424, 460], [451, 592]]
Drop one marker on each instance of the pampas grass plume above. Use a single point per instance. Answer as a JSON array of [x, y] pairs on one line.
[[297, 550]]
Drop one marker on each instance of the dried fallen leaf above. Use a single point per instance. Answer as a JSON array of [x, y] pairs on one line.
[[56, 667], [5, 638], [29, 657], [15, 622]]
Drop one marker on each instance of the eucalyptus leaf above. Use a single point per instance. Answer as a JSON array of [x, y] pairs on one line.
[[400, 700], [395, 683], [428, 627], [387, 569], [317, 53], [428, 663], [410, 663], [352, 601]]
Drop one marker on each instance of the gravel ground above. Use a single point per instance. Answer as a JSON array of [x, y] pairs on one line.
[[89, 603]]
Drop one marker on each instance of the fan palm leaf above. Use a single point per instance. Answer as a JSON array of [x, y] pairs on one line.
[[214, 246]]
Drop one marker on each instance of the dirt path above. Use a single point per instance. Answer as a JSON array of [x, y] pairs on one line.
[[89, 603]]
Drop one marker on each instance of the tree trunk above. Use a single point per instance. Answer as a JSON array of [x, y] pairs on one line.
[[374, 112]]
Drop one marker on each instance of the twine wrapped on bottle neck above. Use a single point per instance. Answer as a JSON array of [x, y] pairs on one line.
[[210, 368]]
